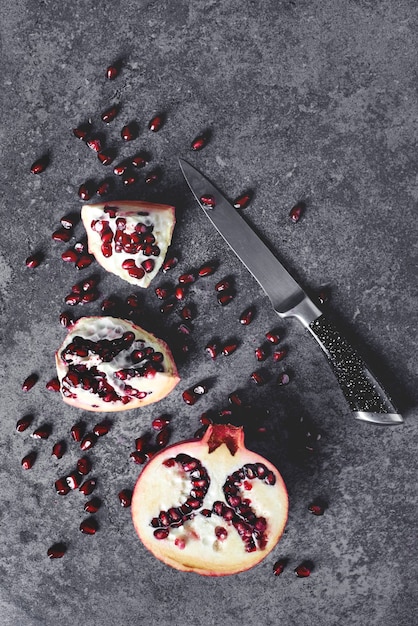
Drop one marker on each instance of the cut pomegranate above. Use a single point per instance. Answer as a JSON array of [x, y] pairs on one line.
[[125, 498], [129, 238], [40, 165], [57, 551], [214, 530], [110, 364], [29, 382]]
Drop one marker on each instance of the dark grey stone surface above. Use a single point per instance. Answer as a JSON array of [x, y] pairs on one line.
[[306, 100]]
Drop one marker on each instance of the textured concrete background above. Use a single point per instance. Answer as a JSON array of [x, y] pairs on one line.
[[312, 100]]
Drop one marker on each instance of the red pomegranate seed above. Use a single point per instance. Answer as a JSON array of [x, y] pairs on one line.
[[258, 378], [56, 551], [156, 123], [234, 398], [88, 441], [120, 169], [66, 320], [186, 313], [29, 382], [159, 423], [304, 569], [125, 498], [82, 131], [93, 505], [272, 337], [206, 270], [108, 304], [161, 533], [29, 460], [189, 397], [161, 293], [242, 201], [112, 72], [283, 379], [69, 256], [138, 457], [59, 449], [212, 349], [53, 384], [141, 443], [69, 221], [77, 431], [33, 260], [110, 114], [103, 188], [167, 308], [94, 144], [208, 201], [89, 526], [105, 158], [180, 292], [279, 355], [72, 299], [39, 165], [221, 533], [73, 480], [129, 180], [222, 285], [23, 423], [89, 296], [186, 279], [132, 301], [139, 161], [61, 486], [85, 192], [83, 465], [62, 234], [169, 264], [316, 508], [260, 354], [153, 177], [279, 566], [205, 420], [200, 390], [102, 428], [129, 132], [148, 265], [229, 349], [296, 212], [85, 260], [163, 437], [247, 316], [43, 432], [199, 142], [88, 487], [225, 298]]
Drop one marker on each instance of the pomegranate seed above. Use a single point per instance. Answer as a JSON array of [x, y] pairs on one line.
[[93, 505], [205, 420], [90, 296], [23, 423], [94, 144], [283, 379], [29, 382], [323, 295], [225, 298], [62, 234], [107, 250], [242, 201], [108, 304], [229, 349], [80, 246], [189, 397], [183, 329], [208, 201], [89, 526], [258, 378], [105, 158], [53, 384], [206, 270], [85, 260], [169, 264], [61, 487], [247, 316], [73, 480], [120, 169], [317, 508], [161, 293], [279, 355], [33, 260], [40, 165], [138, 457], [296, 212], [141, 443], [222, 285], [129, 132], [129, 180], [167, 308], [66, 320], [88, 487], [110, 114], [88, 441], [221, 533], [186, 279], [234, 398], [72, 299], [125, 498], [69, 221], [200, 390], [161, 533], [159, 423], [77, 431], [29, 460], [132, 301], [199, 142], [69, 256], [304, 569], [43, 432], [139, 161], [102, 428], [85, 191], [163, 437], [112, 72], [148, 265], [83, 466], [82, 131], [56, 551], [260, 354], [103, 188], [153, 177], [272, 337], [186, 313], [156, 123], [59, 449], [180, 292], [279, 566]]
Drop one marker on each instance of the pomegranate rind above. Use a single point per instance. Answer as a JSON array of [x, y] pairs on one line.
[[107, 327], [162, 216], [155, 491]]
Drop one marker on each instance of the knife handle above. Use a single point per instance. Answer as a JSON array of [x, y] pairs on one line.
[[364, 394]]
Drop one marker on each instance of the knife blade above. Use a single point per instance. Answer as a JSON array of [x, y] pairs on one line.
[[366, 397]]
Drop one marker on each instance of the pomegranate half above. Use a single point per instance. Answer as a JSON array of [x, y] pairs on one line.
[[210, 506], [129, 238], [111, 364]]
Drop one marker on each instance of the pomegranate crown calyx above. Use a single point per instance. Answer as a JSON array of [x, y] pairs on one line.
[[231, 436]]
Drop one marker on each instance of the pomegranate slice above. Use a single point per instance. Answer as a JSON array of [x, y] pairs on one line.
[[191, 509], [99, 368], [134, 231]]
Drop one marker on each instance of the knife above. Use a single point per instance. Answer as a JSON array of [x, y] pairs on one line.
[[366, 397]]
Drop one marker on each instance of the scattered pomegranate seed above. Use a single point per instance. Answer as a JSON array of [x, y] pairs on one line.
[[34, 260], [148, 265], [23, 423], [225, 298], [56, 551], [77, 431], [93, 505], [208, 201], [129, 132], [159, 423], [278, 355], [242, 201], [132, 301], [317, 508], [125, 498], [59, 449], [260, 354], [103, 188], [189, 397], [258, 378], [40, 165], [229, 349], [66, 319], [167, 308], [206, 270], [138, 457], [141, 443], [199, 142], [212, 349], [156, 123], [82, 131], [88, 486], [83, 466], [296, 212], [283, 379], [120, 169], [85, 191], [169, 264], [272, 337], [180, 292], [102, 428], [161, 293], [279, 566], [222, 285], [129, 180], [94, 144], [205, 420], [85, 260], [153, 177], [105, 158], [53, 384], [61, 487], [234, 398], [29, 382], [108, 304], [110, 114], [29, 460], [43, 432], [112, 72], [73, 480], [72, 299], [69, 256], [162, 437], [247, 316], [89, 526], [304, 569], [139, 161], [186, 313], [88, 441], [62, 234]]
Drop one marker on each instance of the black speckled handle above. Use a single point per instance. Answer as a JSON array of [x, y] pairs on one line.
[[364, 394]]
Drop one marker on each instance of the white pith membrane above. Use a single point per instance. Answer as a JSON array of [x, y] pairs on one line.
[[87, 393], [156, 220], [210, 546]]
